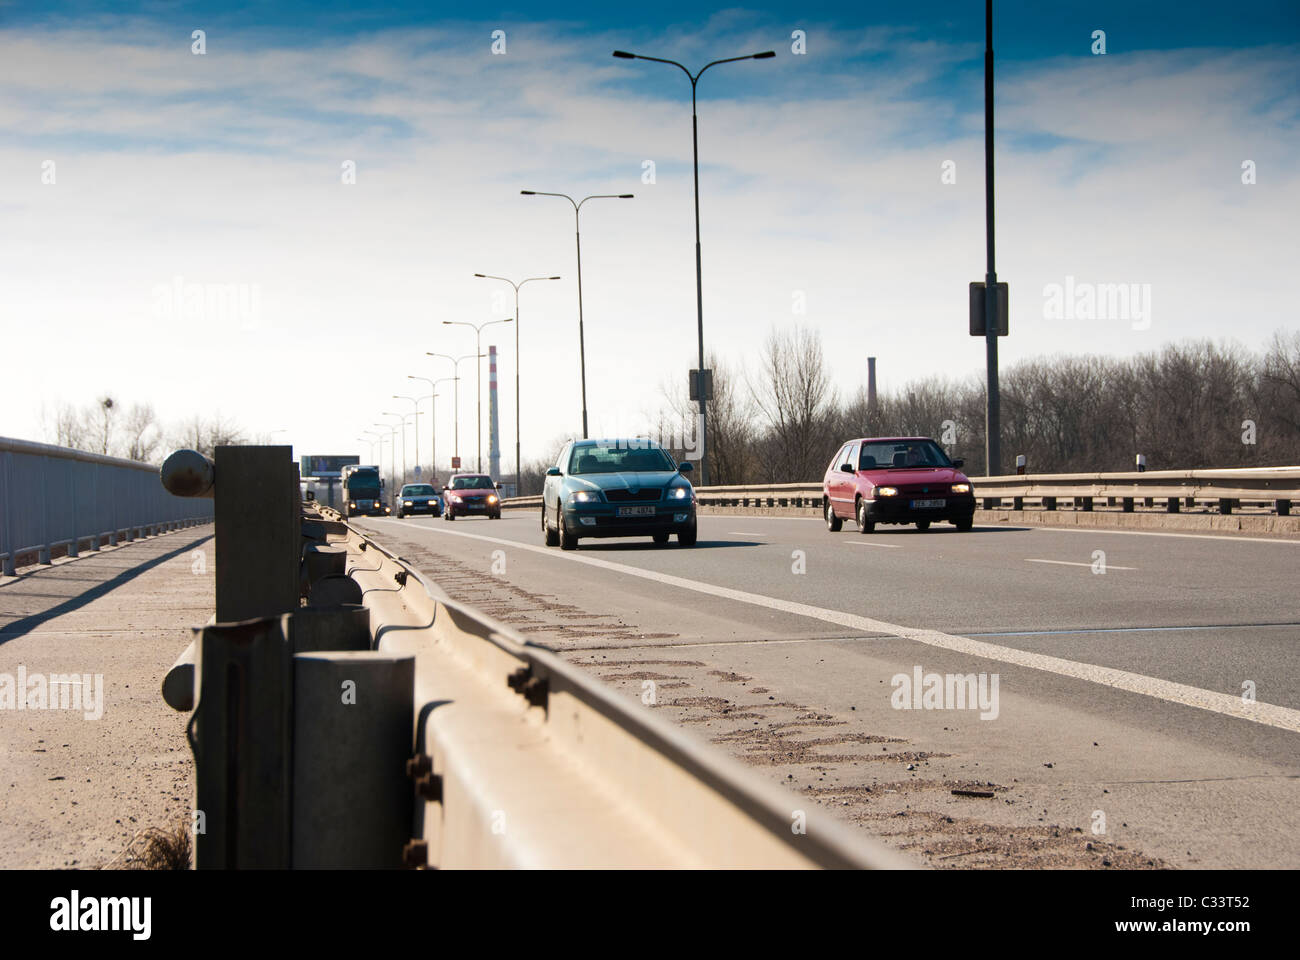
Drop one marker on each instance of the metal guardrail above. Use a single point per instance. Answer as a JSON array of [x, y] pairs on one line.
[[525, 760], [54, 497], [1274, 487]]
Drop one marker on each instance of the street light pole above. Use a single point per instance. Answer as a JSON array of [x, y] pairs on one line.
[[992, 411], [433, 450], [455, 362], [577, 232], [403, 417], [392, 447], [416, 404], [478, 369], [487, 276], [699, 270]]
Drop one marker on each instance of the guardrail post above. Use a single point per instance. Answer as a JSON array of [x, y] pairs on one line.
[[242, 751], [1017, 503], [1225, 505], [1171, 505], [259, 540], [1283, 507], [1128, 505], [1049, 503], [353, 722], [1086, 504]]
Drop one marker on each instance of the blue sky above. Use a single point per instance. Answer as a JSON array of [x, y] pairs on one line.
[[820, 185]]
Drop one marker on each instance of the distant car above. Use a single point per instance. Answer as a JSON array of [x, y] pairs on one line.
[[617, 488], [419, 498], [896, 480], [471, 494]]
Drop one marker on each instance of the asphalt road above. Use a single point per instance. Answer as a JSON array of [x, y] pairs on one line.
[[1119, 693]]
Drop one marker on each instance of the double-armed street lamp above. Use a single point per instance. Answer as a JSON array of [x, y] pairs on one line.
[[699, 273], [478, 351], [416, 404], [455, 362], [577, 232], [488, 276]]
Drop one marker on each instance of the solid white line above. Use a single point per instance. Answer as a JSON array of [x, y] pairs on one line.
[[1153, 533], [1074, 563], [742, 533], [1229, 705], [868, 543]]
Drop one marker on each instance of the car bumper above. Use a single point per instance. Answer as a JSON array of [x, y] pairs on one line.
[[474, 506], [422, 508], [602, 520], [900, 510]]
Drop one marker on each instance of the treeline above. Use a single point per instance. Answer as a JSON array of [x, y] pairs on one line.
[[1189, 405], [134, 432]]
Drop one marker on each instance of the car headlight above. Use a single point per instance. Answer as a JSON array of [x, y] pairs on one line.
[[407, 503], [491, 498], [352, 505], [678, 493], [886, 491], [961, 488], [585, 496]]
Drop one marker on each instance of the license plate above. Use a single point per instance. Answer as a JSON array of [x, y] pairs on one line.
[[928, 504], [636, 511]]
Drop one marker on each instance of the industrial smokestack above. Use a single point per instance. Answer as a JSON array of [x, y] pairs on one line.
[[494, 432], [871, 382]]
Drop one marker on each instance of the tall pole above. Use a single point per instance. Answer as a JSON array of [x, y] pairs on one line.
[[433, 465], [518, 363], [478, 353], [455, 362], [416, 404], [992, 413], [699, 269], [435, 410], [577, 232]]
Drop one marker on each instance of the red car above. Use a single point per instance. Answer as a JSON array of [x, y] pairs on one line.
[[896, 480], [471, 494]]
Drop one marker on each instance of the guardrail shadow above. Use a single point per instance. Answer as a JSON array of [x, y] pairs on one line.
[[18, 628]]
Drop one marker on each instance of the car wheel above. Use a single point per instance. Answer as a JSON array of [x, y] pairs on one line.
[[864, 525], [833, 523], [549, 536], [686, 538], [662, 537], [963, 526], [923, 525], [568, 541]]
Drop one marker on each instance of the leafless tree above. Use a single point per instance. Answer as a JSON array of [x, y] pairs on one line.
[[795, 402]]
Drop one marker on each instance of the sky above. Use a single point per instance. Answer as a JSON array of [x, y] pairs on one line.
[[277, 228]]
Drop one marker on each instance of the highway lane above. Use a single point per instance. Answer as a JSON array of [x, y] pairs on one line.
[[1230, 600]]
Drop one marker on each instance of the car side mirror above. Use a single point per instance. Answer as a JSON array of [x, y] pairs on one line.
[[552, 471], [847, 468], [685, 466], [958, 463]]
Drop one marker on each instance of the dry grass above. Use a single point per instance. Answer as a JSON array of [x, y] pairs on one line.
[[157, 848]]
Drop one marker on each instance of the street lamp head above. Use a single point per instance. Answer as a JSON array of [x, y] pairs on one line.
[[480, 274], [625, 196], [552, 278], [529, 193], [446, 323], [765, 55], [624, 55]]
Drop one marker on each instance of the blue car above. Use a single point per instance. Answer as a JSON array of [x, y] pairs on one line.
[[419, 498], [617, 488]]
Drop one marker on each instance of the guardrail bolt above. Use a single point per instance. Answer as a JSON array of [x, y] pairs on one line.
[[400, 577], [531, 688], [418, 765], [429, 787], [416, 854]]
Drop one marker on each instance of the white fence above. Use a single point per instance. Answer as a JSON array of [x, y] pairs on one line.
[[54, 497]]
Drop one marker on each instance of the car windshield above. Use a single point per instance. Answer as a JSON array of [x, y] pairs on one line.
[[363, 484], [619, 457], [417, 490], [471, 483], [902, 454]]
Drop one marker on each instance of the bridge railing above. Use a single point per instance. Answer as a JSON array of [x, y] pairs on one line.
[[1272, 488], [52, 497]]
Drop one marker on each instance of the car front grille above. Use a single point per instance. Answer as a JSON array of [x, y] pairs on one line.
[[644, 495]]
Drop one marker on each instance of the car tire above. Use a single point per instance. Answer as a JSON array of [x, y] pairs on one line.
[[833, 523], [686, 538], [662, 538], [964, 526], [550, 537], [568, 541], [923, 525], [864, 525]]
